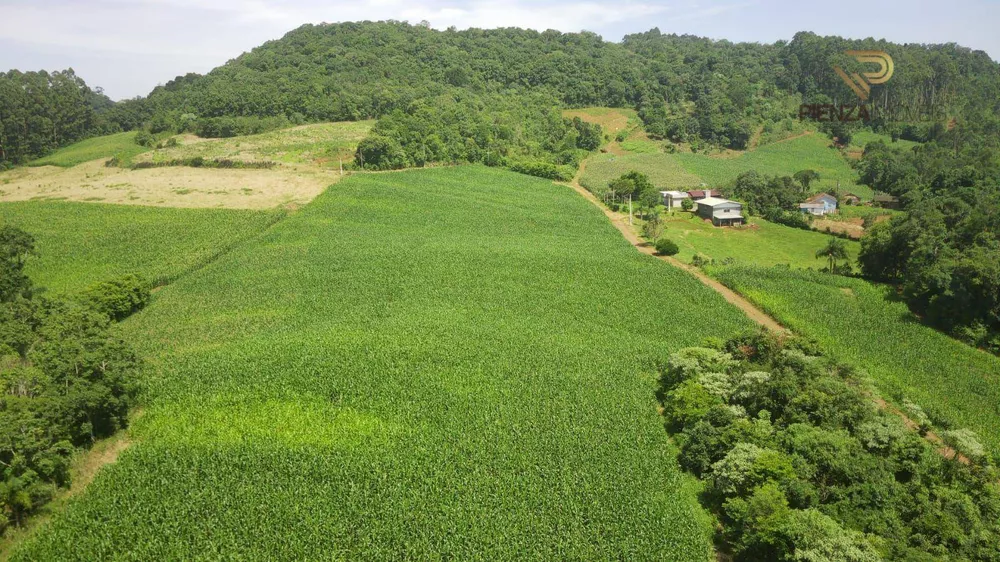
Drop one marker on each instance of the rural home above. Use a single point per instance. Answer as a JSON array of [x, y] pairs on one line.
[[819, 204], [698, 194], [722, 211], [674, 199]]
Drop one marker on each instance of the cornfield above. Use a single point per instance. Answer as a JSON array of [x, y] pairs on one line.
[[418, 365]]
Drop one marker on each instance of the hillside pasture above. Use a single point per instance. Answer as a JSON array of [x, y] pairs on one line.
[[121, 144], [80, 244], [865, 325], [418, 365], [611, 119]]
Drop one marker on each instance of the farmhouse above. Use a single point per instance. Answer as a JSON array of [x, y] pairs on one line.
[[819, 204], [722, 211], [698, 194], [674, 199]]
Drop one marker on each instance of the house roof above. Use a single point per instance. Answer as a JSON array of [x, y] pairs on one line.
[[810, 205], [715, 202], [704, 193], [679, 194], [854, 195], [820, 197]]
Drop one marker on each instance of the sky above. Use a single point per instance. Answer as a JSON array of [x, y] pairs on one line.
[[127, 47]]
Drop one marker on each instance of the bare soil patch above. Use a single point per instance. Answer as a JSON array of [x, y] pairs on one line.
[[849, 227], [169, 187]]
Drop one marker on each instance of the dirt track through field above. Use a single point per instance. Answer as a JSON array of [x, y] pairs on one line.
[[629, 232]]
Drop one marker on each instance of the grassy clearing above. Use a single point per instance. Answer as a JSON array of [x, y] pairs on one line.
[[92, 149], [323, 145], [861, 138], [861, 323], [80, 244], [784, 158], [611, 119], [418, 365], [764, 243]]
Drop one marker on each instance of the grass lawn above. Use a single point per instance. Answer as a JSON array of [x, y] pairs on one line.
[[79, 244], [762, 243], [861, 323], [417, 365], [91, 149]]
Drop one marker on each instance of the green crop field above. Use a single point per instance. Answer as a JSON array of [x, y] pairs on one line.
[[861, 323], [764, 243], [91, 149], [663, 170], [80, 244], [418, 365], [784, 158], [687, 170]]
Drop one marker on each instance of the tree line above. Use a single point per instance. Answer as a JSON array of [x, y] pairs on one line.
[[65, 379]]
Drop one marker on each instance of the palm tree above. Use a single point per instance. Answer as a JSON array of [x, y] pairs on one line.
[[835, 250]]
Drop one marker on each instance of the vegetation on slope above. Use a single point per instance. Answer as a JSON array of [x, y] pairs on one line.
[[799, 464], [426, 363], [865, 325], [80, 244]]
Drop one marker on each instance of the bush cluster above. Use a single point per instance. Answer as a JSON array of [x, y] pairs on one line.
[[799, 464]]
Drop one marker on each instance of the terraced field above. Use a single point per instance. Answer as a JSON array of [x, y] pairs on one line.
[[80, 244], [420, 365]]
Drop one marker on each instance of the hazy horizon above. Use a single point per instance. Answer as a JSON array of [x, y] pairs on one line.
[[128, 48]]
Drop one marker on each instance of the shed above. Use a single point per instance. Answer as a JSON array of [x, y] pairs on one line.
[[674, 199], [723, 212], [851, 199]]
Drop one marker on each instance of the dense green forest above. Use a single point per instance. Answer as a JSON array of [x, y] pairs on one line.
[[686, 88]]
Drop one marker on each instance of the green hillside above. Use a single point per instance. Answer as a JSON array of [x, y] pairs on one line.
[[416, 365]]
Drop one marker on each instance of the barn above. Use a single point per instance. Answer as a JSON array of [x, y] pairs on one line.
[[723, 212]]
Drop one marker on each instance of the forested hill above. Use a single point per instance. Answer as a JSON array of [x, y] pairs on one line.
[[686, 88], [362, 70]]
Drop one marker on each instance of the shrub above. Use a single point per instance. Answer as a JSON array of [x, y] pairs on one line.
[[118, 298], [145, 138], [666, 247]]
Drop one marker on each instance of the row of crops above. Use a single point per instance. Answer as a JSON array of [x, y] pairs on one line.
[[864, 324], [420, 365], [79, 244]]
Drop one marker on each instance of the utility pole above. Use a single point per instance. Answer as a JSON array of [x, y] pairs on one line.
[[630, 209], [341, 165]]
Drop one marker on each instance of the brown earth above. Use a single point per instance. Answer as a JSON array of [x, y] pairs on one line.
[[176, 186]]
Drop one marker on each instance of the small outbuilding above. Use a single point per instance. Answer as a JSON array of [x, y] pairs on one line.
[[674, 199], [819, 204], [723, 212], [886, 201], [697, 194], [850, 199]]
